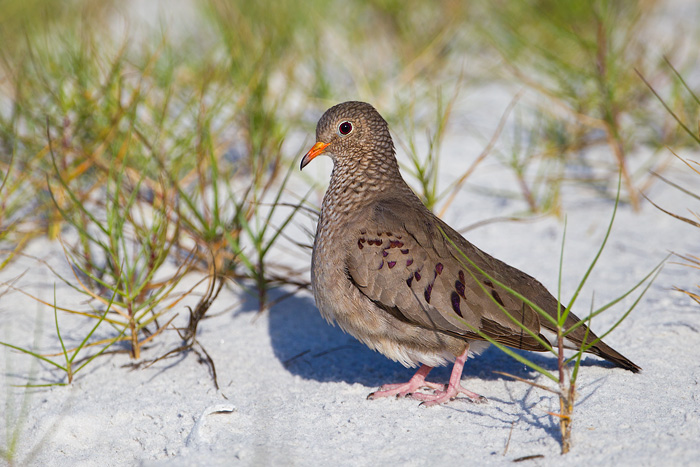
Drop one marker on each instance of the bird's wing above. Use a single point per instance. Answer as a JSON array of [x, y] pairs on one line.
[[405, 266]]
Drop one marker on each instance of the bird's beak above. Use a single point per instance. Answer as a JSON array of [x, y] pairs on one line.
[[316, 150]]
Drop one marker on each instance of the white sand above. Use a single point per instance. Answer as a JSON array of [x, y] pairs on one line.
[[293, 388]]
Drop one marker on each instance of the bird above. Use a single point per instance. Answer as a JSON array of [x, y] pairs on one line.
[[400, 280]]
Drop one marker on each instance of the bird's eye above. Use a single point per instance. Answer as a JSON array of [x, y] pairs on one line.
[[345, 128]]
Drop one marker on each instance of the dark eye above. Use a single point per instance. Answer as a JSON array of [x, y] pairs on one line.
[[345, 128]]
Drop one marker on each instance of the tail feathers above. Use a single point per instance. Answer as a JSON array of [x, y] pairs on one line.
[[600, 349], [603, 350]]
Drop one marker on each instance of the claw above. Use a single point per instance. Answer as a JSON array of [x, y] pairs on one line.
[[404, 389], [442, 393]]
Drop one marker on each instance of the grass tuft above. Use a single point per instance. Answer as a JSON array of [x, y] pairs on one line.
[[566, 377], [580, 58], [683, 117]]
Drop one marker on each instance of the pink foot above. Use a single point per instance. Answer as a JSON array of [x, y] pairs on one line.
[[441, 394], [407, 389], [448, 394]]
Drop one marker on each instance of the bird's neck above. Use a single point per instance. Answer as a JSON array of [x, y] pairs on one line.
[[359, 183]]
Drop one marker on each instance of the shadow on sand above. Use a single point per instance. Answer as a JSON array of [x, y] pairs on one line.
[[313, 349]]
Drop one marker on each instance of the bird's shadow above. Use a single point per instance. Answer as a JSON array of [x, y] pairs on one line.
[[309, 347]]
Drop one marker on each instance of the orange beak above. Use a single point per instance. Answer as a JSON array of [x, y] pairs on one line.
[[316, 150]]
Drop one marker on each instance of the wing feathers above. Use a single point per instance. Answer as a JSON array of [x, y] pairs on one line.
[[407, 268]]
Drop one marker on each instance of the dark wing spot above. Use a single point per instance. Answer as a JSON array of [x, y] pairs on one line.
[[385, 253], [459, 287], [417, 276], [488, 283], [363, 231], [395, 244], [455, 304], [404, 251], [390, 234], [360, 243], [438, 268], [381, 265], [461, 277], [497, 297], [391, 264], [428, 291], [409, 281], [409, 262]]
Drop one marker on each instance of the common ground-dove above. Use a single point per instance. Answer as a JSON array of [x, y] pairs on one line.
[[392, 274]]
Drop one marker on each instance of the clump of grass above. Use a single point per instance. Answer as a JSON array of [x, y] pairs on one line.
[[124, 253], [425, 170], [14, 191], [156, 154], [534, 157], [215, 210], [580, 56], [201, 222], [101, 183], [261, 235], [99, 164], [261, 49], [71, 366], [689, 259], [683, 115], [395, 48], [57, 72], [567, 368]]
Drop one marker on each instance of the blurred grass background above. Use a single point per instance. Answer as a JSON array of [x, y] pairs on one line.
[[159, 133]]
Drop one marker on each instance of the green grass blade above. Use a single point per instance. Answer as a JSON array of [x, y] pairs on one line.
[[504, 287], [72, 196], [559, 278], [668, 109], [610, 304], [680, 78], [579, 354], [94, 328], [102, 350], [35, 355], [58, 330], [624, 316], [583, 280]]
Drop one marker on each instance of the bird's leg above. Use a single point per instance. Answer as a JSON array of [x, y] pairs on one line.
[[453, 388], [405, 389]]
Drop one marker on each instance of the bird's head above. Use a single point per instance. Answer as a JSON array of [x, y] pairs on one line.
[[350, 132]]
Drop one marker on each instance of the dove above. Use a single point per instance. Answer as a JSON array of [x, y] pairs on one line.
[[393, 275]]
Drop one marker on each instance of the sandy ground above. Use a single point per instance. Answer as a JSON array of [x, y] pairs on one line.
[[293, 388]]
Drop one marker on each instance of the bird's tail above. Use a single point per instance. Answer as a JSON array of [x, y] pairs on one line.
[[603, 350], [575, 341]]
